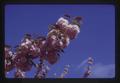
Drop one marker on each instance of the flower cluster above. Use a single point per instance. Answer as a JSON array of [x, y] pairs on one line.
[[88, 70], [66, 70], [46, 48]]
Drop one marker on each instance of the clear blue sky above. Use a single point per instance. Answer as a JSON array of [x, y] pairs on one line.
[[96, 39]]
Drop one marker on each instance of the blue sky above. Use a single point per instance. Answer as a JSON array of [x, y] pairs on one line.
[[96, 39]]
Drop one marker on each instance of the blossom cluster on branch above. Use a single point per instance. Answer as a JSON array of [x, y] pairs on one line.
[[46, 48]]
